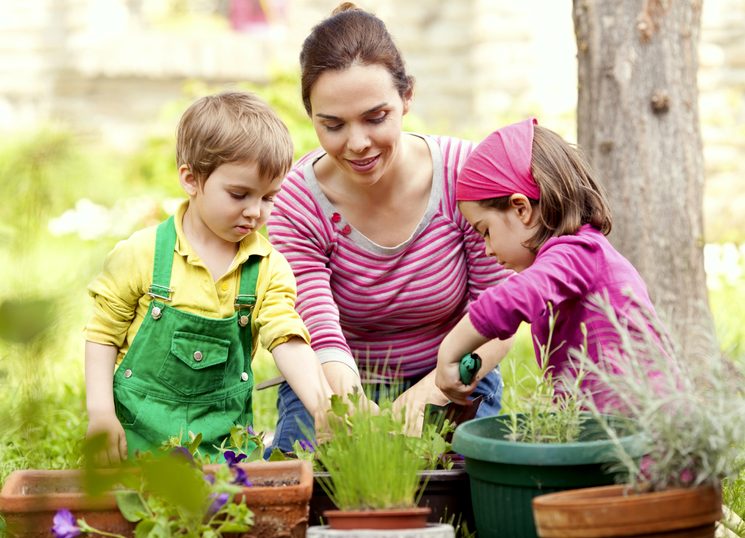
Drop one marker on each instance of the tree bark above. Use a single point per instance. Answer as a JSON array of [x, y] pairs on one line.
[[638, 124]]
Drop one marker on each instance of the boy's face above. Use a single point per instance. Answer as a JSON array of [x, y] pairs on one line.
[[233, 201]]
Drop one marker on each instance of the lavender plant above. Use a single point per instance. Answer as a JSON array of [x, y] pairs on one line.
[[691, 413], [545, 415]]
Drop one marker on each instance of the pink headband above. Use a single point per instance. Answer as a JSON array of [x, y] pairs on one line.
[[500, 165]]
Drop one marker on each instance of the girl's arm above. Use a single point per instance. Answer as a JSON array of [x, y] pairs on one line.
[[99, 386], [564, 270]]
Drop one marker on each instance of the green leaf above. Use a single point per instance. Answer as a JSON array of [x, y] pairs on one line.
[[176, 481], [277, 455], [194, 444], [143, 528], [339, 406], [131, 505]]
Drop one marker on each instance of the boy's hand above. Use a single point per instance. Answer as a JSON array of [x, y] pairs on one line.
[[115, 449]]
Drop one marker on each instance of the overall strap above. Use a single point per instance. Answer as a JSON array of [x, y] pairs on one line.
[[246, 297], [165, 243]]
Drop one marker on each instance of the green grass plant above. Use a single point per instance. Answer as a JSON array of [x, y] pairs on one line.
[[371, 462]]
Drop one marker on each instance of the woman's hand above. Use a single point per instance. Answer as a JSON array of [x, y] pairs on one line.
[[413, 402]]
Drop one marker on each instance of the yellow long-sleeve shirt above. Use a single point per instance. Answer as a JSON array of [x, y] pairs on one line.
[[121, 300]]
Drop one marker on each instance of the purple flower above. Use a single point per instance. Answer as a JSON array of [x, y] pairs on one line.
[[645, 468], [232, 459], [64, 525], [183, 452], [241, 478], [210, 478], [218, 501], [250, 431], [306, 445], [687, 476]]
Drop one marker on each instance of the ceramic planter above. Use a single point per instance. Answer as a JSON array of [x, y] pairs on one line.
[[432, 530], [609, 512], [279, 499], [506, 475], [446, 492]]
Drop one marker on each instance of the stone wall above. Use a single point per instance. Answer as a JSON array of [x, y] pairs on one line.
[[102, 67]]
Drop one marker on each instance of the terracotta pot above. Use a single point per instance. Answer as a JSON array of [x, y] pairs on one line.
[[398, 519], [604, 512], [279, 499], [29, 500], [446, 492]]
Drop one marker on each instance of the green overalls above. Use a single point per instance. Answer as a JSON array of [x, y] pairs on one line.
[[185, 372]]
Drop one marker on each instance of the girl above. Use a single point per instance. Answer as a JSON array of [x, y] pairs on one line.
[[534, 199]]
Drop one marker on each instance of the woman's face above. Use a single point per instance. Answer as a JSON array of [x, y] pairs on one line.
[[357, 115]]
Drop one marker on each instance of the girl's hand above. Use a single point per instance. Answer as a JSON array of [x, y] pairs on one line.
[[115, 449], [447, 380]]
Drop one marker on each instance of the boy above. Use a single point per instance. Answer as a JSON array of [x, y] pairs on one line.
[[179, 308]]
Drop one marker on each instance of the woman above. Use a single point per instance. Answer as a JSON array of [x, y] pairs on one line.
[[384, 261]]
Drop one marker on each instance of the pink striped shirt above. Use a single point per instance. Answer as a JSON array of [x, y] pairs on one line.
[[385, 308]]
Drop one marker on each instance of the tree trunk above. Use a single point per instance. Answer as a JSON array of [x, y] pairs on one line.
[[638, 125]]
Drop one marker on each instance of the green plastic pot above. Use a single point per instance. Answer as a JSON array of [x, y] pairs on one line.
[[506, 475]]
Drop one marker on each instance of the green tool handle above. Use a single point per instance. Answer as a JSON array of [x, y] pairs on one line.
[[469, 365]]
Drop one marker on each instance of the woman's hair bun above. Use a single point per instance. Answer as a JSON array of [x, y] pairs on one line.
[[344, 6]]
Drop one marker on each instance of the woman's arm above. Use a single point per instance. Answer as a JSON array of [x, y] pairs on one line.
[[299, 230]]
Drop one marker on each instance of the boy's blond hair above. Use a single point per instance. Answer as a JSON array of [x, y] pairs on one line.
[[231, 127]]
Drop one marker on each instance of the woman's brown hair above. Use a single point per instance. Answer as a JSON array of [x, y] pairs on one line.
[[570, 195], [350, 35]]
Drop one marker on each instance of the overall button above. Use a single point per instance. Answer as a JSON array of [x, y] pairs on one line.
[[244, 376], [224, 286], [198, 356], [243, 321], [127, 373], [156, 313]]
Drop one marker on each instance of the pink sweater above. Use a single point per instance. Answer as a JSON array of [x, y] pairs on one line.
[[386, 308], [566, 271]]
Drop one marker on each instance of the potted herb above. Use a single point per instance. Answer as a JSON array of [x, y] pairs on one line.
[[372, 473], [443, 482], [179, 495], [165, 496], [691, 415], [553, 444]]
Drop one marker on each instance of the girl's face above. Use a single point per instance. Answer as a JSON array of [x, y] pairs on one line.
[[504, 231], [357, 114], [233, 202]]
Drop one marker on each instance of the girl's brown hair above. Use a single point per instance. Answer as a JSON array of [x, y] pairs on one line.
[[348, 36], [570, 195]]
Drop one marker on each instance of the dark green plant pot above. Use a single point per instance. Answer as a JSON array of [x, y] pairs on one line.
[[506, 475]]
